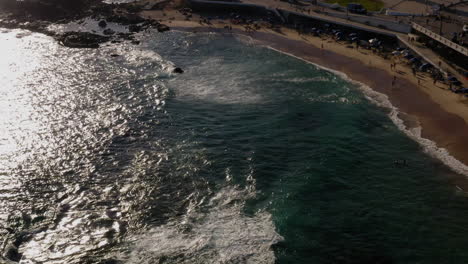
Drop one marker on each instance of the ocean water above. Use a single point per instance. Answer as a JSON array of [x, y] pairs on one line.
[[250, 156]]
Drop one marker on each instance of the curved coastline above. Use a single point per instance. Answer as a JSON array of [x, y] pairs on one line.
[[441, 134]]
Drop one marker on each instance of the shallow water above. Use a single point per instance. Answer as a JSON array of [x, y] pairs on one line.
[[250, 156]]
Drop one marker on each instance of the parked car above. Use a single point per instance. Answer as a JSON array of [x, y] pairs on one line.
[[356, 8]]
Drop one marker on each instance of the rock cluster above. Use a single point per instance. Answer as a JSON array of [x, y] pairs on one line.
[[81, 40], [32, 17]]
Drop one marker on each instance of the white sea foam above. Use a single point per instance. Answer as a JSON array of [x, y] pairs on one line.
[[222, 234], [429, 147], [233, 90], [140, 56]]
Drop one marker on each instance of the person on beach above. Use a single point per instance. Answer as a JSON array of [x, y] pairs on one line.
[[393, 81], [413, 69]]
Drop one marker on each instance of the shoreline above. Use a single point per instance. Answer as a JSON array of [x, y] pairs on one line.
[[441, 122]]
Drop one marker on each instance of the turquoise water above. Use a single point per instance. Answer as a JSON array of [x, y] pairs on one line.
[[250, 156]]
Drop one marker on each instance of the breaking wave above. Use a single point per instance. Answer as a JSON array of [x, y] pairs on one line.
[[222, 234]]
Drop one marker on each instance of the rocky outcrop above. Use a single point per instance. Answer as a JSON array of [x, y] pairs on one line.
[[31, 16], [102, 23], [11, 253], [108, 32], [125, 18], [178, 70], [51, 10], [81, 40], [134, 28], [162, 28]]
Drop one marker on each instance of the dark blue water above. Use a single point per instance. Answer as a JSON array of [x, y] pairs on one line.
[[250, 156]]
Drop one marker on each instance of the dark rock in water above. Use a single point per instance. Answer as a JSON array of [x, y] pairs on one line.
[[126, 19], [136, 42], [108, 32], [102, 24], [81, 40], [126, 36], [134, 28], [110, 261], [162, 28], [11, 253], [115, 55], [178, 70]]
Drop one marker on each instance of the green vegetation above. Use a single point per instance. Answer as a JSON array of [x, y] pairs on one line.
[[370, 5]]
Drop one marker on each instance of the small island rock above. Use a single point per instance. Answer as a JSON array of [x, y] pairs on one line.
[[162, 28], [178, 70], [102, 24]]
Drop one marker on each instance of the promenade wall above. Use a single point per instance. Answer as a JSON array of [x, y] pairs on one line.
[[229, 7]]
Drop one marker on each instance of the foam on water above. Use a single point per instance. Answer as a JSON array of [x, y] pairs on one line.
[[429, 147], [219, 234], [234, 90]]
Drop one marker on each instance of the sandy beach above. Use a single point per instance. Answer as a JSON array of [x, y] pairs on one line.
[[442, 115]]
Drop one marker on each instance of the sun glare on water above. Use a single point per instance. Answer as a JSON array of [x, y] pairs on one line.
[[18, 63]]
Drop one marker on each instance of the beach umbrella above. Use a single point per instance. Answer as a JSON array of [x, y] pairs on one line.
[[452, 79], [355, 39], [408, 56], [400, 49], [352, 35], [395, 52]]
